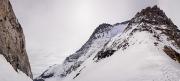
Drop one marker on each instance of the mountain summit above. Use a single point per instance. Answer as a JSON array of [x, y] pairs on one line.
[[152, 15], [145, 48]]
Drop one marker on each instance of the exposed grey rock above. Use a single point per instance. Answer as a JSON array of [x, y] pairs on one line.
[[12, 40]]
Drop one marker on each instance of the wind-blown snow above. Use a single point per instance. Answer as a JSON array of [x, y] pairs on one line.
[[7, 73]]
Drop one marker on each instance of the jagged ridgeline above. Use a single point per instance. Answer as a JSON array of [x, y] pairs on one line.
[[12, 40], [152, 20], [147, 47]]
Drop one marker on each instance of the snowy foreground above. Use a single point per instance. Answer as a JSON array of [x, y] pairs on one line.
[[7, 72]]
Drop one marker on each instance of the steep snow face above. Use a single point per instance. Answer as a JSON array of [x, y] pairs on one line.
[[96, 42], [147, 50], [7, 73]]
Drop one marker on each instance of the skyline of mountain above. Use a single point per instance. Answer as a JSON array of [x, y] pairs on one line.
[[144, 47], [150, 39]]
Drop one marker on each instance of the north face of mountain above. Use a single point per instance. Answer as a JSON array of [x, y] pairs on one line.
[[12, 40]]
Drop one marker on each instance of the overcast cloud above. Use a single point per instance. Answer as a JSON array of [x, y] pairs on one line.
[[67, 24]]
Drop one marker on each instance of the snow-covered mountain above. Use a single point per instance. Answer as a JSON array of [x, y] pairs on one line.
[[96, 42], [148, 49]]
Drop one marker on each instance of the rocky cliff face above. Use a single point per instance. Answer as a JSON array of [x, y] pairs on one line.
[[12, 40]]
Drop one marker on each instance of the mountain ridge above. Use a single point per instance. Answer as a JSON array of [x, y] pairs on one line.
[[150, 28]]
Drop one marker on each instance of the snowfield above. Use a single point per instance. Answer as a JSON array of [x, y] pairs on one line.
[[7, 72], [132, 64]]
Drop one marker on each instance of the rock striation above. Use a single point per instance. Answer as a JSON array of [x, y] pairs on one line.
[[12, 39]]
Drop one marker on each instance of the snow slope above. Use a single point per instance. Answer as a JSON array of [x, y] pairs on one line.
[[41, 59], [7, 73], [96, 42], [147, 50], [131, 64]]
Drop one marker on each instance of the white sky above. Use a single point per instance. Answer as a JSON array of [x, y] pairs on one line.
[[67, 24], [56, 28]]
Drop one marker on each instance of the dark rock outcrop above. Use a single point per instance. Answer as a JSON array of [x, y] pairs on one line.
[[12, 40], [156, 17], [172, 53]]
